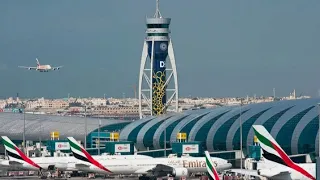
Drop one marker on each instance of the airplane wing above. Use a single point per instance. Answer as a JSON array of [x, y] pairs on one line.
[[282, 175], [81, 165], [12, 163], [57, 68], [274, 175], [244, 172], [30, 68]]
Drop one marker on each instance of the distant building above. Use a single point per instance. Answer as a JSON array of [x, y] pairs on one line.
[[117, 110], [47, 104]]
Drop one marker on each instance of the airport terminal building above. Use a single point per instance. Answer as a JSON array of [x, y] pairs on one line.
[[40, 126], [294, 124]]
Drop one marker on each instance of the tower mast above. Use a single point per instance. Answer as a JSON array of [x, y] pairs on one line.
[[155, 88]]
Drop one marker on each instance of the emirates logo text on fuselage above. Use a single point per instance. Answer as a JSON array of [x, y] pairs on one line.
[[191, 163]]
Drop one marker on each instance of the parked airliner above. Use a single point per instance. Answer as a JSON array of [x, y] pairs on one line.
[[41, 68], [277, 164], [150, 169], [18, 159]]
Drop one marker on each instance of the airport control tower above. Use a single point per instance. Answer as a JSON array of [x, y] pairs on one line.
[[158, 80]]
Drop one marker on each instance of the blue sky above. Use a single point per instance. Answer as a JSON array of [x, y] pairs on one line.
[[222, 48]]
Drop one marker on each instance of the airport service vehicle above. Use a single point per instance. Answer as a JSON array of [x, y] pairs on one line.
[[19, 160], [41, 68], [150, 169], [278, 164]]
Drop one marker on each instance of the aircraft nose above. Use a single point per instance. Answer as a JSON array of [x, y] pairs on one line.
[[226, 166], [229, 165]]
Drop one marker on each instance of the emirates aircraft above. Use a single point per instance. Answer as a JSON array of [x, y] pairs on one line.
[[149, 169], [18, 159], [277, 164], [42, 68]]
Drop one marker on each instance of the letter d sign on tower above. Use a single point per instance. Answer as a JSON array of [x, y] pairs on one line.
[[162, 64], [155, 89]]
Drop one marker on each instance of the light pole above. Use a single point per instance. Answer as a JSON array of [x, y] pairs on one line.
[[85, 127], [40, 137], [165, 139], [99, 137], [274, 93], [319, 131], [240, 134], [24, 129]]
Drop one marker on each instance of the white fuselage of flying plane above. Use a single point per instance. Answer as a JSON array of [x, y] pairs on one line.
[[44, 68], [180, 166]]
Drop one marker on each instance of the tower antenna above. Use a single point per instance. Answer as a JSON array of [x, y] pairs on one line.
[[157, 14]]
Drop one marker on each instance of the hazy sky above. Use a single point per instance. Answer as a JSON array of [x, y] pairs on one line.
[[222, 48]]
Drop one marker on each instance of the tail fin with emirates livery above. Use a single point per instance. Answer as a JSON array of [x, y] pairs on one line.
[[80, 153], [15, 154], [273, 152], [210, 167]]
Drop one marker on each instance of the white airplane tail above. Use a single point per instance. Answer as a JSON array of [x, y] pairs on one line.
[[15, 154], [273, 152], [38, 63], [80, 153], [210, 167]]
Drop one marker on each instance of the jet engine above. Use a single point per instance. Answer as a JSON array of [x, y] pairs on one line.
[[29, 68], [180, 172], [51, 167]]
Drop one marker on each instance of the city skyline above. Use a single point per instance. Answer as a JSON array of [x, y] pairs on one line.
[[223, 49]]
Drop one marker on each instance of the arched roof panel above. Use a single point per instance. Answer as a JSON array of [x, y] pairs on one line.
[[135, 126], [202, 127], [41, 125]]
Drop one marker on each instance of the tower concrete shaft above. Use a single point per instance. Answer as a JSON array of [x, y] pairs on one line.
[[156, 90]]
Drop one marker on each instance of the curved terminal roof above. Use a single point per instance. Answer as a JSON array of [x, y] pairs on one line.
[[11, 125], [294, 124]]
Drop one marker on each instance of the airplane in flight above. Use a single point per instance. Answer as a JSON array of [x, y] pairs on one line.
[[18, 159], [157, 167], [41, 68], [277, 164]]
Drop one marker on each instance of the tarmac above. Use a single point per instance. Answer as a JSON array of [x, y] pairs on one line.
[[72, 178]]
